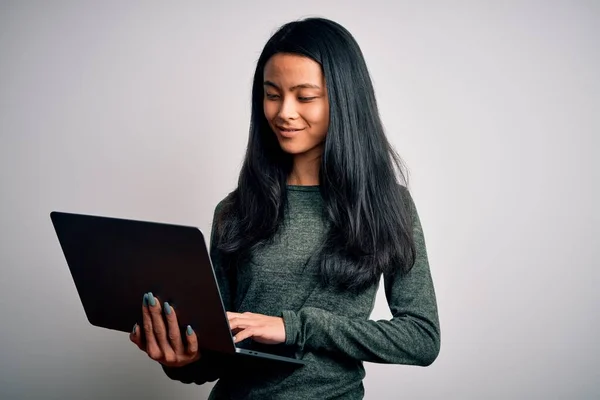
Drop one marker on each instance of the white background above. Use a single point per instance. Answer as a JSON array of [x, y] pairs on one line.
[[141, 110]]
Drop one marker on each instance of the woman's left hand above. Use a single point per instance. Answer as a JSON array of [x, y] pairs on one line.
[[261, 328]]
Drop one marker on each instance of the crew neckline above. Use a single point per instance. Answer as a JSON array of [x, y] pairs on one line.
[[303, 188]]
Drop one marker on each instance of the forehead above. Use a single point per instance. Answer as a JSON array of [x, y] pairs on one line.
[[291, 68]]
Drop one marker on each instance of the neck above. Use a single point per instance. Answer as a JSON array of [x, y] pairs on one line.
[[305, 171]]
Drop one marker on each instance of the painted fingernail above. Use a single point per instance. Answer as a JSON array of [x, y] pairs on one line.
[[145, 302], [167, 308], [151, 299], [134, 328], [189, 330]]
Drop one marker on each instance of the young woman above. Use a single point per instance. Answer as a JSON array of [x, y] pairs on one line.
[[319, 215]]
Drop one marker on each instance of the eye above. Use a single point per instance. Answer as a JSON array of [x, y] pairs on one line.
[[306, 98], [272, 96]]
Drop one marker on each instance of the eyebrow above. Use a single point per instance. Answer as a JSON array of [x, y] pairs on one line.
[[300, 86]]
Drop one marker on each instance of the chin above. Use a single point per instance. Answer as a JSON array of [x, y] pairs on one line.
[[297, 148], [293, 150]]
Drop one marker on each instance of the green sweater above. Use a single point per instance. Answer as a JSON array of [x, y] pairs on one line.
[[328, 329]]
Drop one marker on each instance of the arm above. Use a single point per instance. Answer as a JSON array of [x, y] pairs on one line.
[[412, 336], [209, 367]]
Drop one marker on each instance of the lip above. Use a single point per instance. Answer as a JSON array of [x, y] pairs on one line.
[[288, 133]]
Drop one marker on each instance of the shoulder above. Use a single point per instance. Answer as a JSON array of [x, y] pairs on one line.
[[406, 197], [409, 206], [403, 190], [224, 206]]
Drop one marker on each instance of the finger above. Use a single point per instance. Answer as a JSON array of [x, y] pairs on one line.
[[173, 329], [244, 334], [235, 331], [152, 347], [241, 323], [192, 341], [136, 338], [231, 315], [159, 328]]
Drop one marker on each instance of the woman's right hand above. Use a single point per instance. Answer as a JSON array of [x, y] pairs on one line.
[[163, 338]]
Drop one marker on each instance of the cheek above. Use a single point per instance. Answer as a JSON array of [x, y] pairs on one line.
[[268, 110], [317, 116]]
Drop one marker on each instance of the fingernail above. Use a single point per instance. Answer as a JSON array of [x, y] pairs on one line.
[[167, 308], [134, 328], [189, 330], [145, 299], [151, 299], [234, 338]]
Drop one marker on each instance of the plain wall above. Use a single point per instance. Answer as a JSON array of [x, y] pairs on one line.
[[141, 110]]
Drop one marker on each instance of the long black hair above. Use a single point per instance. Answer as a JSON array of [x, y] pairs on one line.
[[362, 180]]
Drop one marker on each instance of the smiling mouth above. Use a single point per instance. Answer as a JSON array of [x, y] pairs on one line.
[[288, 130]]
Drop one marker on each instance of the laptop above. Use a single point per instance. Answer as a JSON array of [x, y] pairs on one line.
[[115, 261]]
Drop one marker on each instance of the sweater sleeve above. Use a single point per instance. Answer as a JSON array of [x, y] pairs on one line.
[[210, 366], [411, 337]]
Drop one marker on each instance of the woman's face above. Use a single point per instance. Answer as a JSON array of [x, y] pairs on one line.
[[296, 104]]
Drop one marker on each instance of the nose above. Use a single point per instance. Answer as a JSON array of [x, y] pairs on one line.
[[287, 110]]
